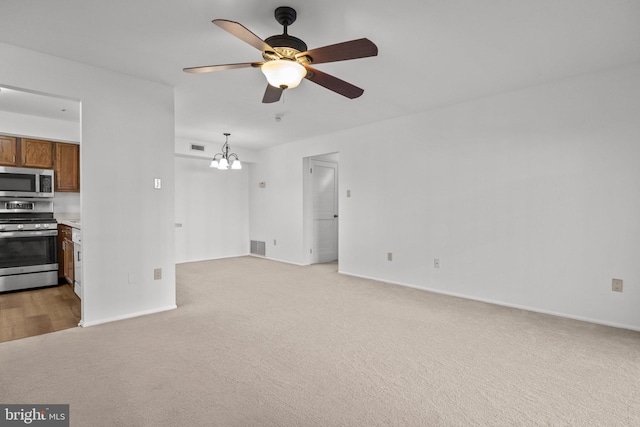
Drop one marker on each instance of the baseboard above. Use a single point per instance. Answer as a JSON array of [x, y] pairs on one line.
[[503, 303], [243, 255], [127, 316], [211, 259], [278, 260]]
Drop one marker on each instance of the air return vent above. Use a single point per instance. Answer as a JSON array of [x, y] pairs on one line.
[[196, 147], [257, 248]]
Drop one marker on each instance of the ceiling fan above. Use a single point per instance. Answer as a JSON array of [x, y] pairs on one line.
[[287, 60]]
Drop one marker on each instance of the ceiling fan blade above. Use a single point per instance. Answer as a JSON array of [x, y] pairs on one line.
[[333, 83], [210, 68], [360, 48], [244, 34], [272, 94]]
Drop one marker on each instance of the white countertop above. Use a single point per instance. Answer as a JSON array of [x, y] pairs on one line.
[[75, 223]]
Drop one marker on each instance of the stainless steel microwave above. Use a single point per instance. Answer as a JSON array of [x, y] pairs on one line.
[[26, 182]]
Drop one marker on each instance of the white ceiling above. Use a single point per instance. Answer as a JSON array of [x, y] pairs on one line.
[[35, 104], [431, 53]]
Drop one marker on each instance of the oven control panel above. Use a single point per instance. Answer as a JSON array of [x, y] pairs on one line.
[[26, 207], [19, 206]]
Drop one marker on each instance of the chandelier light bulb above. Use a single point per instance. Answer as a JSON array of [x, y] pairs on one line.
[[223, 164], [236, 164]]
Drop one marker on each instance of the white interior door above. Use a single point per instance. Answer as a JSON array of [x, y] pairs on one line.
[[324, 184]]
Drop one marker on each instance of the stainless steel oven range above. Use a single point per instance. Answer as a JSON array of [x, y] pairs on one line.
[[28, 244]]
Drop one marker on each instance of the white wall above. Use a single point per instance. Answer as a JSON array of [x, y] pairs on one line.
[[127, 140], [39, 127], [66, 205], [528, 198], [212, 208], [211, 148], [276, 211]]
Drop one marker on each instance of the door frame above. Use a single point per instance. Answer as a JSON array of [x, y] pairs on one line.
[[307, 203]]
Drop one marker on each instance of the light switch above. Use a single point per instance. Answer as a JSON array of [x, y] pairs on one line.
[[157, 183]]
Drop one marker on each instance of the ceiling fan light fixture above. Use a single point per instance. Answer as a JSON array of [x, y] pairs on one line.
[[287, 60], [283, 73]]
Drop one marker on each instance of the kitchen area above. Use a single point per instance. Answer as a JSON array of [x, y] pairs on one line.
[[40, 233]]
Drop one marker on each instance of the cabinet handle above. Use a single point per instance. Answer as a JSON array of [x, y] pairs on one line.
[[14, 158], [64, 247]]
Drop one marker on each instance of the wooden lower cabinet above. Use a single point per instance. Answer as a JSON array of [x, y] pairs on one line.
[[65, 254]]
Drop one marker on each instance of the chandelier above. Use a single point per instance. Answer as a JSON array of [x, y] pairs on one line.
[[225, 158]]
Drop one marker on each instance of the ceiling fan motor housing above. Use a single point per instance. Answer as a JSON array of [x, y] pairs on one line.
[[286, 43]]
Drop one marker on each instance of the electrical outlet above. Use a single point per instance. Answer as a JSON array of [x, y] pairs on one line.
[[389, 256], [436, 263], [157, 274], [616, 285]]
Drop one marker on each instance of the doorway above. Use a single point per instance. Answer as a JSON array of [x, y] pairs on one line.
[[48, 120], [321, 208]]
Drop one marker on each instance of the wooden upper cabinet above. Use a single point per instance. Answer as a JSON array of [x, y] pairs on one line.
[[36, 153], [62, 157], [67, 167], [8, 151]]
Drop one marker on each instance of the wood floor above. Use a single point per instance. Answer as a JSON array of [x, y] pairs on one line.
[[38, 311]]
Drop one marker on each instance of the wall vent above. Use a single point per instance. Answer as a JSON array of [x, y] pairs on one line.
[[257, 248], [196, 147]]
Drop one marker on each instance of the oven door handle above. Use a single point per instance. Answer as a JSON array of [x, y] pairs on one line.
[[29, 233]]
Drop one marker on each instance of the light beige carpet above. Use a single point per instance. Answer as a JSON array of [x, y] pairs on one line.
[[261, 343]]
